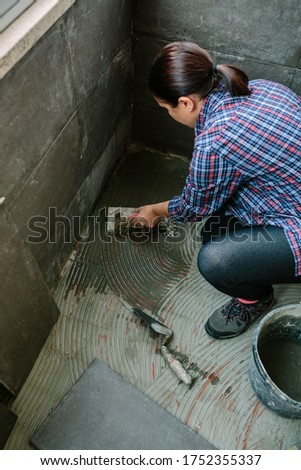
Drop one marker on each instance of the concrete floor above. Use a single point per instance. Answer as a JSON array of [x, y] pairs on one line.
[[106, 276]]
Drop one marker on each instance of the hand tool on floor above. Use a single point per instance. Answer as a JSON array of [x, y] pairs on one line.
[[165, 335], [119, 222]]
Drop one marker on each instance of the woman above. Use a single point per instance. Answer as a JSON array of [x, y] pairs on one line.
[[245, 179]]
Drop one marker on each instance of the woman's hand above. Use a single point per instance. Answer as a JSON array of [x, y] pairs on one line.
[[150, 215]]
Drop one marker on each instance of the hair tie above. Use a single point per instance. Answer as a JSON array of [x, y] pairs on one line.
[[214, 68]]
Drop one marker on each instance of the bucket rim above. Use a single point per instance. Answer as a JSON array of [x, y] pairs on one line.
[[271, 314]]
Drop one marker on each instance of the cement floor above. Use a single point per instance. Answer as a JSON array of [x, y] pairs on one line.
[[104, 277]]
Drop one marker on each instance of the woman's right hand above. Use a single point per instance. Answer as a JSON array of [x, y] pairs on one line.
[[150, 215]]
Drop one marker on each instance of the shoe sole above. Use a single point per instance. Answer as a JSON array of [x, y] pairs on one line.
[[214, 335], [218, 335]]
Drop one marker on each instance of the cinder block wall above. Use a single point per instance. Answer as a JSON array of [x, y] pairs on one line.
[[66, 119], [262, 37]]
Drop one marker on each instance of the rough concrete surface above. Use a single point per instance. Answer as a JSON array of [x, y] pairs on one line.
[[104, 278]]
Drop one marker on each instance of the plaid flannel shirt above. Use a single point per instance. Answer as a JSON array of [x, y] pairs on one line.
[[247, 156]]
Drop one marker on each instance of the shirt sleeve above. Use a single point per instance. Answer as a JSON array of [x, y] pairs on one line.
[[212, 180]]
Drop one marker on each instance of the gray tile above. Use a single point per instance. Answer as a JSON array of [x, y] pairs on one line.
[[54, 182], [66, 234], [52, 237], [42, 209], [296, 84], [7, 420], [28, 311], [144, 176], [104, 166], [265, 31], [96, 31], [51, 259], [101, 112], [36, 102], [256, 69], [52, 256], [144, 53], [155, 128], [103, 411]]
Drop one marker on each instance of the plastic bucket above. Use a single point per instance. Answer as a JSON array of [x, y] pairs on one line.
[[275, 366]]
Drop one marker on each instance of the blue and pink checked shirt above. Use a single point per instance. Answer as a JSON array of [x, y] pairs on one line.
[[247, 156]]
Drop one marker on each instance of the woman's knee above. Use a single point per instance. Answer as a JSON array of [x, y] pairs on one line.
[[211, 262]]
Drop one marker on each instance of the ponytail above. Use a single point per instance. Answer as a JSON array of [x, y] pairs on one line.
[[235, 79], [184, 68]]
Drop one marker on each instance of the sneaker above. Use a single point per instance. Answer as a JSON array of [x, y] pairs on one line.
[[235, 317]]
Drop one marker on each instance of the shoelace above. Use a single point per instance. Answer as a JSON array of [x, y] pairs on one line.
[[235, 309]]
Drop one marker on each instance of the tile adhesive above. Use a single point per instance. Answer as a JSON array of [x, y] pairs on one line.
[[157, 273]]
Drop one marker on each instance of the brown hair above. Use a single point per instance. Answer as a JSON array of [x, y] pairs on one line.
[[184, 68]]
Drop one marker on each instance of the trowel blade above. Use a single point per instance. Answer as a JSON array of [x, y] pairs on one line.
[[118, 221], [118, 218], [155, 325]]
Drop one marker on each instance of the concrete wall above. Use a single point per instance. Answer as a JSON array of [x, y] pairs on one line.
[[260, 36], [66, 118]]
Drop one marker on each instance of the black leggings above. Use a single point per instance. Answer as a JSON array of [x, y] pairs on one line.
[[244, 261]]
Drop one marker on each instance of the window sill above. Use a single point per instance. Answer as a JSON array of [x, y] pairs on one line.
[[26, 30]]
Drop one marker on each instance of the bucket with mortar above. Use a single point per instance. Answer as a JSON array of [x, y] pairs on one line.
[[275, 366]]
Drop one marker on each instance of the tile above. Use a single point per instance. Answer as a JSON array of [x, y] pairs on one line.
[[36, 102], [101, 112], [89, 28], [104, 411], [155, 128], [28, 311], [264, 31], [63, 236], [296, 83], [98, 177], [7, 420], [54, 182], [41, 209]]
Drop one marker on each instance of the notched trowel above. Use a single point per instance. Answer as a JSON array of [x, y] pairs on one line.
[[165, 335], [119, 222]]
